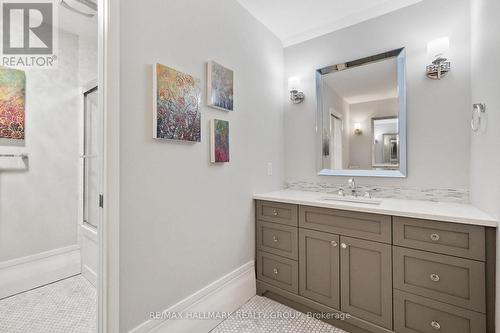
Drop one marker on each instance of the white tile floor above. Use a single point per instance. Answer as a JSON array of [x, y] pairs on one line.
[[261, 309], [66, 306], [69, 306]]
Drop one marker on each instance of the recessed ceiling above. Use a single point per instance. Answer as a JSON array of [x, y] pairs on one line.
[[295, 21]]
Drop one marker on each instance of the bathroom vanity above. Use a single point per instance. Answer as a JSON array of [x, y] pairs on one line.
[[399, 266]]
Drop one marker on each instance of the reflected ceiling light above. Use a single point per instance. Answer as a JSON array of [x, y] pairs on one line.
[[86, 8], [357, 129]]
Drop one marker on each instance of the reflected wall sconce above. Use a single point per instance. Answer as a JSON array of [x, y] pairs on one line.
[[357, 129], [296, 96], [440, 66]]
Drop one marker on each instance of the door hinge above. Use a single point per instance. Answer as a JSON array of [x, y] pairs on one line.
[[101, 200]]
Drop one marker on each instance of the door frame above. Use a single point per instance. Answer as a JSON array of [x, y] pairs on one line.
[[109, 102]]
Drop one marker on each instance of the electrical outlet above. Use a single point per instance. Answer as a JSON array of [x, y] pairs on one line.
[[269, 169]]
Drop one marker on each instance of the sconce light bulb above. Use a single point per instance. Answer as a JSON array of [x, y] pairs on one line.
[[296, 96], [293, 83], [438, 47], [357, 129]]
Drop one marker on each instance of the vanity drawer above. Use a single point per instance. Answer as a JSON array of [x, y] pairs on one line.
[[360, 225], [278, 239], [415, 314], [276, 212], [461, 240], [278, 271], [444, 278]]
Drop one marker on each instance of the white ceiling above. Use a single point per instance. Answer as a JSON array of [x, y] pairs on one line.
[[295, 21], [77, 24], [373, 82]]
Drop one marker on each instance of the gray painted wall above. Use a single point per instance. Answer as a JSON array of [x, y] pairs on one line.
[[485, 152], [184, 222], [39, 206], [438, 111]]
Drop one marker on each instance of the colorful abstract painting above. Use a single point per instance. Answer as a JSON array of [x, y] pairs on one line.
[[12, 101], [177, 114], [219, 86], [219, 141]]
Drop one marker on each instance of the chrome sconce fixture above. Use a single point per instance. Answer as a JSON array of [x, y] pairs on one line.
[[296, 96], [440, 66]]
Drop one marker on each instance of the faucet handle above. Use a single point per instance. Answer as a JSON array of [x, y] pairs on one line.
[[368, 195], [341, 192], [352, 183]]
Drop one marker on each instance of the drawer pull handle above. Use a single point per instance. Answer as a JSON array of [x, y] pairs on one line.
[[334, 243], [275, 239], [275, 212], [435, 277], [275, 271], [434, 237], [343, 245], [435, 325]]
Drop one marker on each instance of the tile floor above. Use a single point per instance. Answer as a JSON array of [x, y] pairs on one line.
[[260, 309], [66, 306], [69, 306]]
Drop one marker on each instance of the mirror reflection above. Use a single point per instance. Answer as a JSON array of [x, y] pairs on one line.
[[360, 113], [385, 152]]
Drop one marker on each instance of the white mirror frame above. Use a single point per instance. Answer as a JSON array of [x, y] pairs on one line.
[[400, 54]]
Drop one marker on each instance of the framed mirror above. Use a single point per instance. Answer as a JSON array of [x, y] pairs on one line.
[[361, 117]]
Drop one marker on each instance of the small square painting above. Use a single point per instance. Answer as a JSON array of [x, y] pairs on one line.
[[219, 86], [12, 103], [219, 141], [177, 100]]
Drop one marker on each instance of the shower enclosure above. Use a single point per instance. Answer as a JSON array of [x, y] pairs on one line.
[[91, 197]]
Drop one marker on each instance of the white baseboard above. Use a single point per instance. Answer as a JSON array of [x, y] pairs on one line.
[[33, 271], [89, 253], [225, 295], [89, 274]]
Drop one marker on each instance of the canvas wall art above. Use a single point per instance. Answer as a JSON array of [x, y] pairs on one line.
[[12, 103], [219, 86], [219, 141], [177, 101]]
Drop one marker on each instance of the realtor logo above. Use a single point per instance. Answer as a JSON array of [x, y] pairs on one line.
[[28, 33]]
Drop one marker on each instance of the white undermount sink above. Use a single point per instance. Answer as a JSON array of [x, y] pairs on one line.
[[362, 200]]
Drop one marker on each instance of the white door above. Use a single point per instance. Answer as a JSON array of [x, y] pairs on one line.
[[337, 143]]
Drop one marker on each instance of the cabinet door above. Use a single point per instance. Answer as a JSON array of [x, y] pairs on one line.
[[319, 267], [366, 280]]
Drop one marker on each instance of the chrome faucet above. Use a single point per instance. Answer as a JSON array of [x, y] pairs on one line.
[[354, 188]]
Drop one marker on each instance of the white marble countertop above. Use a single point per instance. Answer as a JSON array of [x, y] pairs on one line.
[[441, 211]]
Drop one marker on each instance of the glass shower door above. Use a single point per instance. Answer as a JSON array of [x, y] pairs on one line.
[[92, 132]]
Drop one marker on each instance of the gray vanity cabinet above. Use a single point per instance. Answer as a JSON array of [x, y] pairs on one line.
[[366, 280], [389, 273], [319, 267]]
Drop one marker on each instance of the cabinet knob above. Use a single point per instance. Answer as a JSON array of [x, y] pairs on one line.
[[275, 271], [275, 212], [334, 243], [435, 325], [434, 237], [435, 277], [343, 245], [275, 239]]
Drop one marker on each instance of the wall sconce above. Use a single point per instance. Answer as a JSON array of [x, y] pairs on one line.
[[357, 129], [296, 96], [439, 67]]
